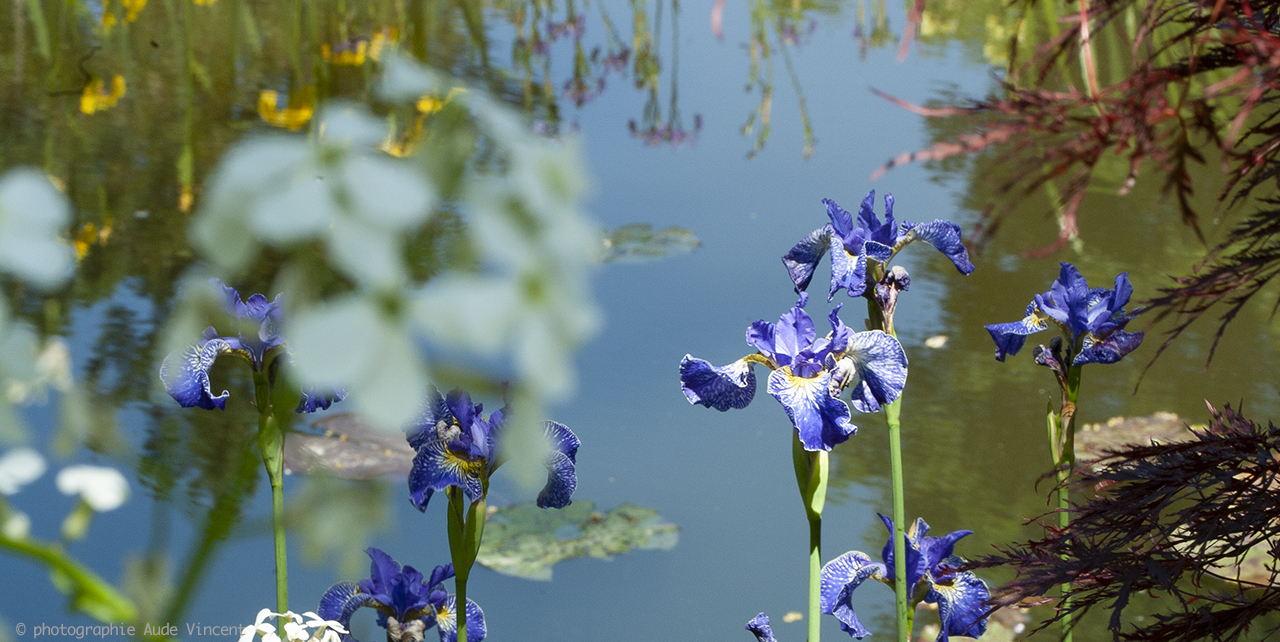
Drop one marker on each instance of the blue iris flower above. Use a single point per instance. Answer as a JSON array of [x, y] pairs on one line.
[[807, 374], [855, 241], [458, 446], [961, 597], [407, 604], [759, 627], [1092, 319], [186, 376]]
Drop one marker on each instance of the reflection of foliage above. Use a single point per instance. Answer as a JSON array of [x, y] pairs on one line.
[[1167, 519], [638, 242], [1155, 86], [785, 21], [646, 41], [526, 541], [338, 517]]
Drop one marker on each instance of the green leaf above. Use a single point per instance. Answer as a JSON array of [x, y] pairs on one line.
[[638, 243], [526, 541]]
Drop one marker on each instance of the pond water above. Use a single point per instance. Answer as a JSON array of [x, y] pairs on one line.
[[973, 428]]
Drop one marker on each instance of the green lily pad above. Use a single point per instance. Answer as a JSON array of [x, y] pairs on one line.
[[526, 541], [637, 243], [348, 448]]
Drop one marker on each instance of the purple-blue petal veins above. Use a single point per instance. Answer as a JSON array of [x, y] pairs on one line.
[[841, 220], [340, 602], [396, 592], [803, 259], [840, 333], [759, 627], [1010, 337], [561, 478], [438, 466], [186, 376], [925, 554], [879, 370], [1108, 350], [962, 604], [821, 420], [945, 236], [425, 429], [794, 331], [260, 312], [447, 620], [722, 388], [838, 580], [848, 267]]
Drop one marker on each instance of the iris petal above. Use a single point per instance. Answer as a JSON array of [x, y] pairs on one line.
[[449, 622], [803, 259], [425, 429], [848, 270], [945, 236], [880, 369], [841, 220], [722, 388], [916, 563], [839, 579], [561, 478], [436, 467], [794, 331], [821, 420], [937, 549], [314, 399], [759, 627], [186, 377], [340, 602], [962, 605], [1010, 337], [1109, 350]]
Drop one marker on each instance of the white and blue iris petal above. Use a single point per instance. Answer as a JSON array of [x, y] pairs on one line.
[[962, 602], [447, 620], [759, 627], [781, 342], [945, 237], [1010, 337], [441, 463], [1109, 349], [874, 367], [186, 376], [839, 579], [923, 553], [561, 478], [803, 259], [821, 420], [314, 399], [722, 388]]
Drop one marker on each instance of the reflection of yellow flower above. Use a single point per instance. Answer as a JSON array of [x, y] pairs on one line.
[[387, 37], [185, 199], [131, 10], [429, 104], [293, 117], [90, 234], [349, 53], [96, 97], [205, 3], [931, 26]]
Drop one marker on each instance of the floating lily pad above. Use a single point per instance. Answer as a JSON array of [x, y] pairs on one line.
[[1092, 440], [637, 243], [348, 448], [526, 541]]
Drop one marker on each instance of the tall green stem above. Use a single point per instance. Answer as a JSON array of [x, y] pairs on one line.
[[466, 528], [271, 443], [813, 469], [1066, 465], [892, 413], [880, 320]]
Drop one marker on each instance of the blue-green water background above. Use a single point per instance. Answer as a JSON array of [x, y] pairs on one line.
[[973, 428]]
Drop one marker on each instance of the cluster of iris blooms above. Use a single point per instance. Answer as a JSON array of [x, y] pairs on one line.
[[808, 375], [458, 449]]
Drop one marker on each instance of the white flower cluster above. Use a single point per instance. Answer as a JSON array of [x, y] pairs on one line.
[[33, 218], [528, 303], [295, 630], [101, 489]]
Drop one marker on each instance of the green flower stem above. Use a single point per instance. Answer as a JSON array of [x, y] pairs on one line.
[[1066, 461], [893, 416], [271, 443], [892, 413], [89, 593], [812, 472], [466, 528]]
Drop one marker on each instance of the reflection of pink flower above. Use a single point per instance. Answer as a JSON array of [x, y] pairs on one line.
[[572, 27], [581, 91], [671, 133]]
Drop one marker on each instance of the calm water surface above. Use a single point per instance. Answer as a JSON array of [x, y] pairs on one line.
[[973, 428]]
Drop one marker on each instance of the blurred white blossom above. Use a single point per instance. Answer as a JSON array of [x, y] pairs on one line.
[[102, 488], [33, 215], [296, 629], [19, 467]]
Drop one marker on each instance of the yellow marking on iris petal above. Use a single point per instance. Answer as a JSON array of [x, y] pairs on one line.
[[469, 467]]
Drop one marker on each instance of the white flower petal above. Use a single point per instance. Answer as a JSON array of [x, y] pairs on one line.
[[103, 489], [19, 467]]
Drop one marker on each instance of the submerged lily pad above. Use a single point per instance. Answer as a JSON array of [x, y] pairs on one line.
[[637, 243], [348, 448], [526, 541]]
